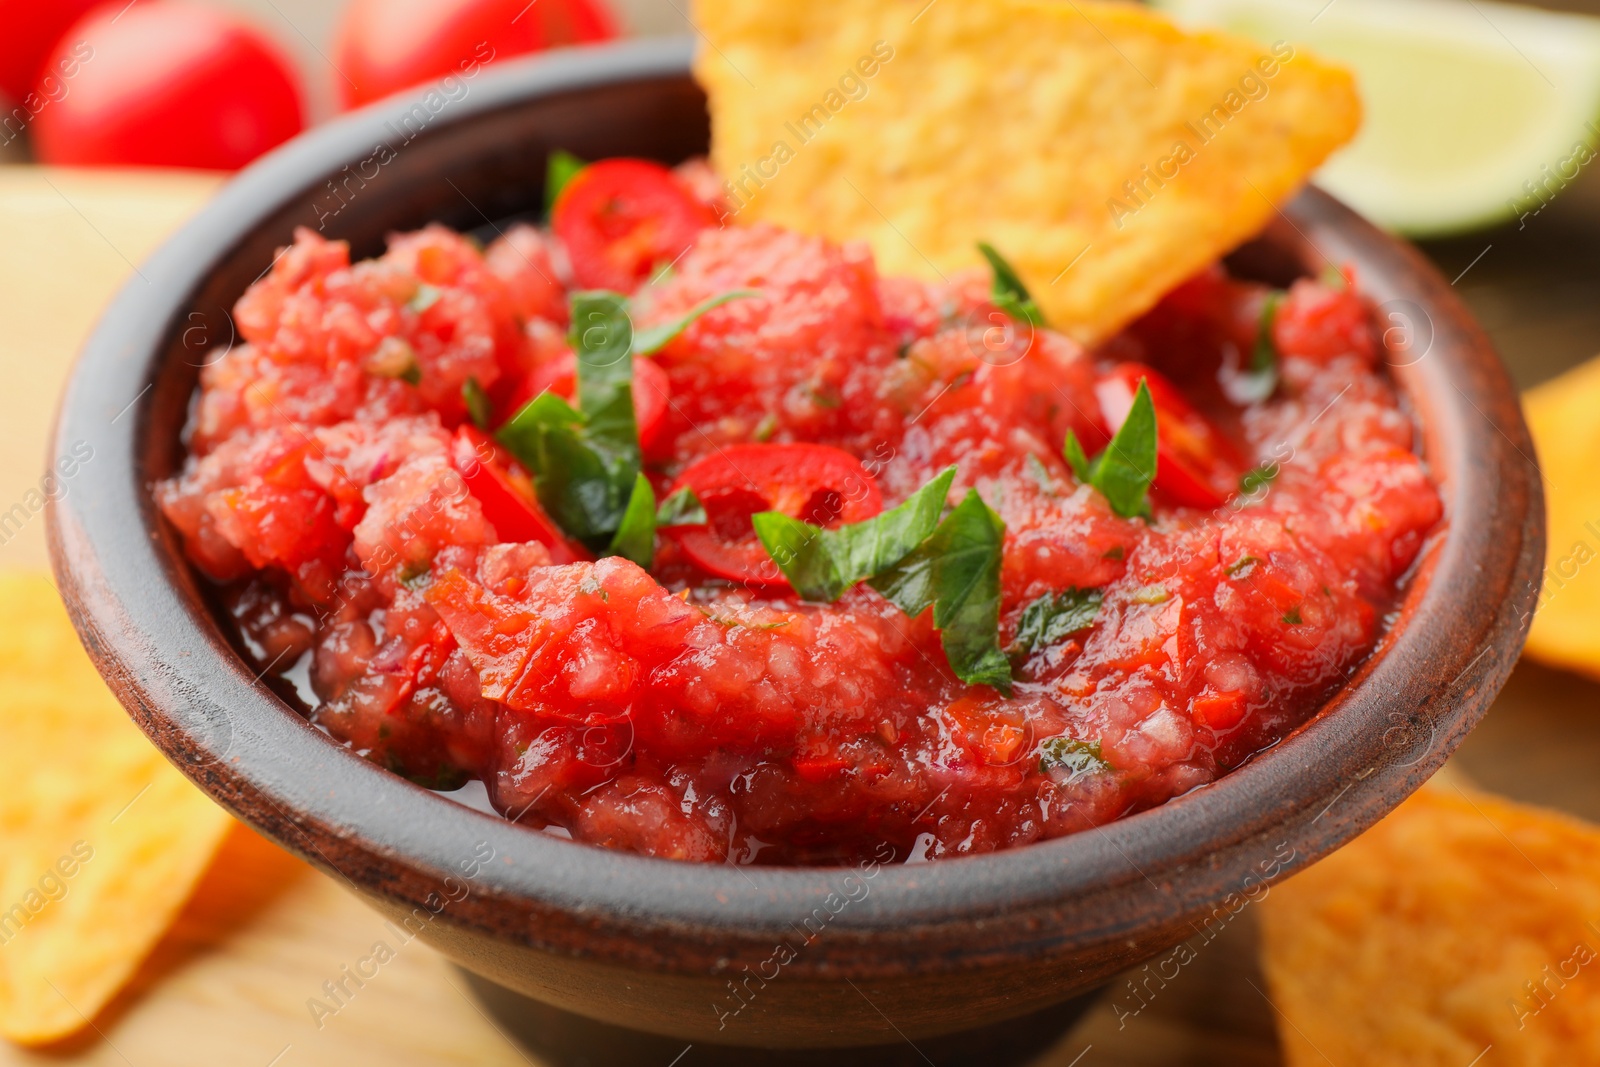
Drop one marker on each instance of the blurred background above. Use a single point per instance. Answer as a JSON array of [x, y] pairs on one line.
[[1482, 124]]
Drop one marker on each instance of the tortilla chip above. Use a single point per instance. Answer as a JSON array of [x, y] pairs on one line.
[[1105, 153], [1564, 416], [1459, 922], [101, 840]]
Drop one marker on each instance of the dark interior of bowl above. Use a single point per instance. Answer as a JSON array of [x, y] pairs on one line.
[[651, 943]]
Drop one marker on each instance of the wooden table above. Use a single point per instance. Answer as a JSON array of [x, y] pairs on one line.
[[230, 983]]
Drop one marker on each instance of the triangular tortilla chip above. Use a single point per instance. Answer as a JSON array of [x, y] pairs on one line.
[[1458, 923], [1105, 153], [101, 840], [1564, 415]]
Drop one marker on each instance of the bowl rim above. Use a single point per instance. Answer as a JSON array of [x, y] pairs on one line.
[[1457, 634]]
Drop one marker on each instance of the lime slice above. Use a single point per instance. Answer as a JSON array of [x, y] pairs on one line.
[[1476, 112]]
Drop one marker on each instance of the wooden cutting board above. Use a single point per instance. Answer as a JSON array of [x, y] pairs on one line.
[[231, 982]]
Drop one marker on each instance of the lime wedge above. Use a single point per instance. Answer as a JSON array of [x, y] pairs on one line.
[[1476, 112]]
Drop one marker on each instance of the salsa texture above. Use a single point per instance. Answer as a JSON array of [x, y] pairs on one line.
[[380, 535]]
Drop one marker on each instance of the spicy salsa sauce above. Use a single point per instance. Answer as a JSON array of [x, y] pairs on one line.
[[368, 533]]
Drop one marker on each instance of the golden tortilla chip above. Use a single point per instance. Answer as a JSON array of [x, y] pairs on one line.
[[1459, 923], [1564, 416], [101, 840], [1105, 153]]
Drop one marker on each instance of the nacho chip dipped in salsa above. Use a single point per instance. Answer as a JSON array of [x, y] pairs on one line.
[[712, 540]]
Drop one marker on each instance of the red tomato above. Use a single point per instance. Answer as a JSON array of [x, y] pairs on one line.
[[650, 391], [506, 495], [1196, 466], [823, 485], [170, 84], [622, 219], [31, 32], [384, 46]]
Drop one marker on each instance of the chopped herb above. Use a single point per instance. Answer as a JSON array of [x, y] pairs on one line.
[[1114, 552], [823, 395], [412, 375], [1243, 568], [1077, 758], [1055, 616], [766, 427], [586, 460], [1007, 290], [414, 576], [1124, 471], [424, 298], [1041, 474], [1264, 357], [1292, 616], [681, 508], [649, 341], [636, 537], [478, 408], [957, 571], [1258, 478], [1333, 278], [1151, 594], [821, 564], [560, 169]]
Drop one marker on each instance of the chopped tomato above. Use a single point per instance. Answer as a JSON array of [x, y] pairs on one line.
[[506, 495], [1196, 466], [820, 484], [623, 219], [650, 391]]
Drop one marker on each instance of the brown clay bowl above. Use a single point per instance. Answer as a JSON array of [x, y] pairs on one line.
[[914, 951]]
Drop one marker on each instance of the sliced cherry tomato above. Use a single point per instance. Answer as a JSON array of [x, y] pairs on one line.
[[650, 391], [506, 495], [384, 46], [1196, 466], [622, 219], [168, 84], [820, 484]]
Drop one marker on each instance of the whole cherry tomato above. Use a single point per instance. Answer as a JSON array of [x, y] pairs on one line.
[[650, 391], [623, 219], [506, 495], [1196, 465], [384, 46], [29, 35], [171, 84], [820, 484]]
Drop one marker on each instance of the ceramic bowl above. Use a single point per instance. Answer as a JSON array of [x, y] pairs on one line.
[[749, 956]]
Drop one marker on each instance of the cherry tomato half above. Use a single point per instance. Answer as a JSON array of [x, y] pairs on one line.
[[650, 391], [31, 32], [170, 84], [506, 495], [623, 219], [384, 46], [1196, 466], [820, 484]]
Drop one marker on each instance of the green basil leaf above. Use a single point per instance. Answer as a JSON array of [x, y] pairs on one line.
[[821, 564], [681, 508], [649, 341], [1124, 471], [1007, 290], [586, 461], [636, 536], [479, 410], [957, 571], [1076, 758], [1264, 356], [1054, 617], [559, 169], [1257, 478]]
